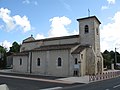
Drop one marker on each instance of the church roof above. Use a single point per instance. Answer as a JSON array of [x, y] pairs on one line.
[[80, 48], [53, 38], [55, 47], [89, 18], [21, 54], [29, 39]]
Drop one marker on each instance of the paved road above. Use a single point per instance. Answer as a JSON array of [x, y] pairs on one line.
[[111, 84], [30, 83]]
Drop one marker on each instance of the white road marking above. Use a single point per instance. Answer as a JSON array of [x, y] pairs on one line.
[[107, 89], [54, 88], [37, 79], [116, 86]]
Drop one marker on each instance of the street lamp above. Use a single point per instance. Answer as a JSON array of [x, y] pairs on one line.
[[115, 58]]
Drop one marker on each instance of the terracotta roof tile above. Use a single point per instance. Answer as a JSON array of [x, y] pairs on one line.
[[55, 47]]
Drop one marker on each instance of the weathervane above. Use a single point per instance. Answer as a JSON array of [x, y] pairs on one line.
[[88, 13]]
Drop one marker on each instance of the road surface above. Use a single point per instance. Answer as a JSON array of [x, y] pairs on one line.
[[31, 82]]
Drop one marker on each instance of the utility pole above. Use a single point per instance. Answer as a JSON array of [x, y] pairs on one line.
[[0, 55], [115, 58]]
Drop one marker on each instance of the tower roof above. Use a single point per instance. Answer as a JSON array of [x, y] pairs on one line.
[[89, 18]]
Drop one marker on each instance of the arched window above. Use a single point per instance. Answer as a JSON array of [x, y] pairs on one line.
[[76, 61], [59, 62], [20, 61], [86, 29], [38, 61]]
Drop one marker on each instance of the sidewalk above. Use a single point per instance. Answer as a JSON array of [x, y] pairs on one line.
[[83, 79]]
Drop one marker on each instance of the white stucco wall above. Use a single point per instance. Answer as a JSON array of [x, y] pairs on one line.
[[16, 64], [35, 68], [53, 68], [49, 62]]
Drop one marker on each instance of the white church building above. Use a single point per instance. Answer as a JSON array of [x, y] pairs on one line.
[[75, 55]]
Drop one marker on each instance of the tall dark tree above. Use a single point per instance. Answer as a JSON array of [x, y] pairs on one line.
[[15, 47], [107, 59], [2, 57], [106, 52]]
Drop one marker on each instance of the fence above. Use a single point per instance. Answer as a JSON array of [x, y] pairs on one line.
[[103, 76]]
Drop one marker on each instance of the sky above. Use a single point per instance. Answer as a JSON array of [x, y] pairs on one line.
[[20, 19]]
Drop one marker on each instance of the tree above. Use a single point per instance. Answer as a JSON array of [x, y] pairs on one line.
[[15, 47], [107, 59], [106, 52], [2, 57], [2, 49]]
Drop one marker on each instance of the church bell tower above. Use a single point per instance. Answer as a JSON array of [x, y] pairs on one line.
[[90, 35], [89, 32]]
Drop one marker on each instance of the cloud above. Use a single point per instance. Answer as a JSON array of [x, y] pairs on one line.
[[1, 27], [75, 32], [14, 22], [6, 44], [23, 22], [108, 6], [67, 6], [104, 7], [58, 26], [39, 36], [7, 19], [110, 33], [30, 2], [26, 2], [111, 1]]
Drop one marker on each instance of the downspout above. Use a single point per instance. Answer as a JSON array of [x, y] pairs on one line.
[[69, 63], [30, 62]]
